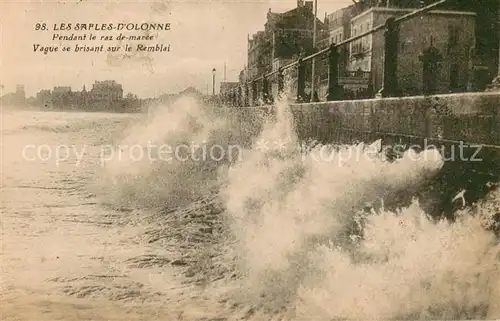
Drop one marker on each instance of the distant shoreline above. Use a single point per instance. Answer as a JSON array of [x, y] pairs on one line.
[[45, 109]]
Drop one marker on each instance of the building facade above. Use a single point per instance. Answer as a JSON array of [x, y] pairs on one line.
[[17, 98], [108, 91], [62, 97], [442, 51], [487, 44], [285, 36], [104, 95], [44, 98], [20, 93], [445, 37], [259, 54], [338, 29]]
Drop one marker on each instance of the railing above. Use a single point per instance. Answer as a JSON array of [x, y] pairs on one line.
[[390, 26], [323, 43], [389, 87]]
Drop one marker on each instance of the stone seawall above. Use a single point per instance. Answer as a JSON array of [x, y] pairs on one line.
[[473, 118], [457, 124]]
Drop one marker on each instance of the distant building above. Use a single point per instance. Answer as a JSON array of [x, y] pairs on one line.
[[104, 95], [44, 98], [62, 90], [338, 29], [31, 101], [84, 97], [107, 91], [259, 54], [20, 93], [17, 98], [285, 36], [338, 23], [61, 96]]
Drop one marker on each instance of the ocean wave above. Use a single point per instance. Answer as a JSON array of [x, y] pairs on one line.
[[285, 234]]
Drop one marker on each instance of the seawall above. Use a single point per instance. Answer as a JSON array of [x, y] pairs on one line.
[[473, 118], [465, 127]]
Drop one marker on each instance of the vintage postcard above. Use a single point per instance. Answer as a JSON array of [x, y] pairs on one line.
[[250, 160]]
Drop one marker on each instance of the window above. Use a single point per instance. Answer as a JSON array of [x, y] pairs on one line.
[[452, 37], [454, 78]]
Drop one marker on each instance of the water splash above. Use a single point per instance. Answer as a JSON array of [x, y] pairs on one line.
[[170, 160], [313, 238], [307, 232]]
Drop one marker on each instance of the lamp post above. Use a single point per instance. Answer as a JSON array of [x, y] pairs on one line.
[[213, 82]]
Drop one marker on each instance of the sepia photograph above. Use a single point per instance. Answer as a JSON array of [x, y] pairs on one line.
[[259, 160]]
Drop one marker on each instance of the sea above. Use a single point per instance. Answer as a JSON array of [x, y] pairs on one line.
[[183, 214]]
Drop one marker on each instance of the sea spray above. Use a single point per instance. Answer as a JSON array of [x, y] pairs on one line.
[[172, 159], [303, 253], [305, 233], [411, 268]]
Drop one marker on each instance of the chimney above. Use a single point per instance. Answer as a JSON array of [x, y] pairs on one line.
[[300, 3]]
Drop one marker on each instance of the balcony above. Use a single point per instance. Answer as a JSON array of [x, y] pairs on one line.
[[355, 74], [359, 51], [354, 79]]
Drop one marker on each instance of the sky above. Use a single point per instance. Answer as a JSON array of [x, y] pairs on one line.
[[204, 35]]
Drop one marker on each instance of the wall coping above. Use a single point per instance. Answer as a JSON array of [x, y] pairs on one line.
[[359, 101], [438, 97]]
